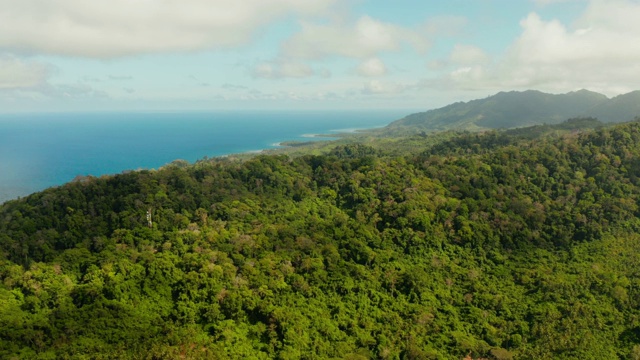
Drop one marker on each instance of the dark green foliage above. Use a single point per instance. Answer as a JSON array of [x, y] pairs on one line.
[[504, 245]]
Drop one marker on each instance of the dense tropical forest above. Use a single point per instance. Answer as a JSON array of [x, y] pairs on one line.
[[519, 244]]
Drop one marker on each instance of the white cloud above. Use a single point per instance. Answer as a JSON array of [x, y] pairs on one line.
[[234, 87], [598, 52], [469, 73], [105, 29], [444, 26], [372, 67], [366, 38], [16, 74], [26, 83], [282, 69], [294, 69], [468, 54], [376, 87]]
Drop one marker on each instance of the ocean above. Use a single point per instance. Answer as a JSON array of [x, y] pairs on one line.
[[42, 150]]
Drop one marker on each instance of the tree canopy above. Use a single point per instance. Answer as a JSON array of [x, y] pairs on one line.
[[502, 245]]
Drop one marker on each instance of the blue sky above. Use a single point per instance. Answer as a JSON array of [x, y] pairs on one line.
[[155, 55]]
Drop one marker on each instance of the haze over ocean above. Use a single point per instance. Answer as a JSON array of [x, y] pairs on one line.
[[38, 151]]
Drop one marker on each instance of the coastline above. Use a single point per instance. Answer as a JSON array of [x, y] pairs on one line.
[[331, 136], [86, 164]]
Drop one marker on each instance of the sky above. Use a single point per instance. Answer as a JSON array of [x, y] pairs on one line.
[[206, 55]]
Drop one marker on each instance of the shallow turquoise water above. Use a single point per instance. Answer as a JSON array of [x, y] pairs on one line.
[[42, 150]]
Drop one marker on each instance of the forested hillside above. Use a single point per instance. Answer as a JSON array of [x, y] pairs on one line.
[[499, 245]]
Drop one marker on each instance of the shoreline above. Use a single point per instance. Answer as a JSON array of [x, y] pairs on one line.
[[333, 134], [330, 135]]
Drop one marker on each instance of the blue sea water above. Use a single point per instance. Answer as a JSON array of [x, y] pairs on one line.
[[38, 150]]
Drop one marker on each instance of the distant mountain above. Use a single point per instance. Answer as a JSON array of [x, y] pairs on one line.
[[517, 109], [620, 108]]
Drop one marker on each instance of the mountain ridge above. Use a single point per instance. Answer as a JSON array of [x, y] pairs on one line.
[[524, 108]]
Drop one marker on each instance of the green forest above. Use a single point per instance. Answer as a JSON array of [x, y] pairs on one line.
[[518, 244]]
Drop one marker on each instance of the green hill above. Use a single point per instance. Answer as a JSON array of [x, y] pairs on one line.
[[520, 109], [503, 245]]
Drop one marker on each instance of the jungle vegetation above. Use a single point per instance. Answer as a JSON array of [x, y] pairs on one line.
[[519, 244]]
